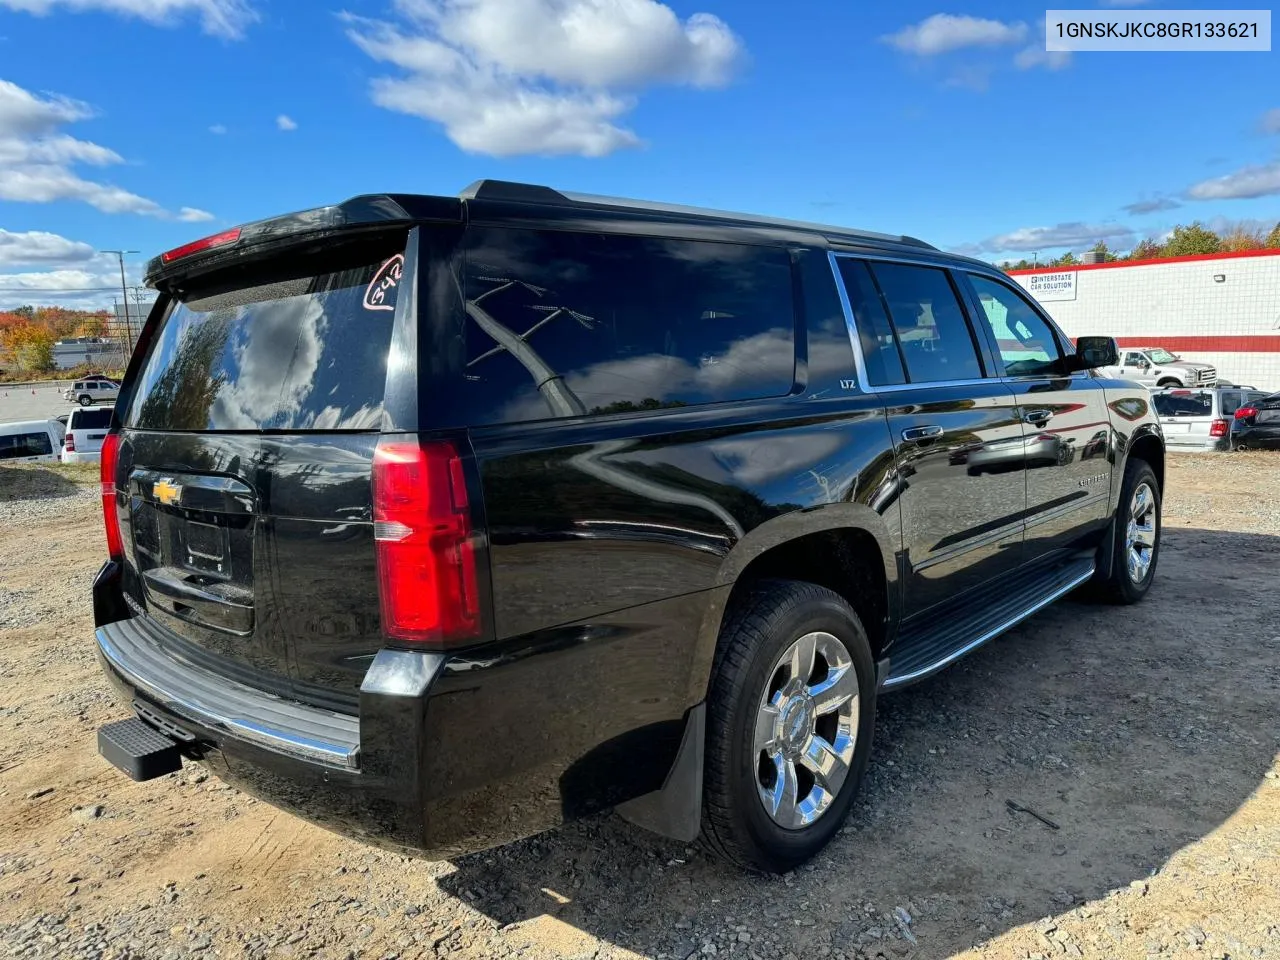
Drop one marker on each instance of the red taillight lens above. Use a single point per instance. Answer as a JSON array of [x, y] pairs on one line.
[[70, 446], [1219, 428], [1244, 413], [110, 454], [205, 243], [426, 552]]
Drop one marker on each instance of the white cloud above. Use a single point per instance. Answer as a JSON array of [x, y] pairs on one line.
[[509, 77], [1028, 58], [1246, 183], [1270, 122], [194, 215], [944, 32], [218, 129], [221, 18], [1074, 235], [286, 123], [37, 159], [38, 247]]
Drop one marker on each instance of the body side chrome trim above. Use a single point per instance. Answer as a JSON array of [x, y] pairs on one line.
[[990, 634]]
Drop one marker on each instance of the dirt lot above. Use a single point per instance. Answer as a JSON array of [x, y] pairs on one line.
[[1148, 736]]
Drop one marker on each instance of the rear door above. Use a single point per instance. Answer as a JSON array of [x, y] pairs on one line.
[[1064, 420], [248, 437], [957, 439], [89, 427], [1186, 416]]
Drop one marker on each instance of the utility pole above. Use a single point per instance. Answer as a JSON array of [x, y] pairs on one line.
[[124, 293]]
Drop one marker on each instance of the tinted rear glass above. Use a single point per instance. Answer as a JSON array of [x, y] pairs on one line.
[[308, 353], [17, 445], [98, 419], [1198, 404]]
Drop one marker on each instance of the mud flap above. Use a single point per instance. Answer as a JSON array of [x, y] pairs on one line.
[[675, 811]]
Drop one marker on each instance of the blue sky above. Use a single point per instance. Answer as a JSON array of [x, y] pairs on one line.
[[146, 123]]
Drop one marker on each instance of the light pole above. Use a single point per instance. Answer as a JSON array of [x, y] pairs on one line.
[[124, 293]]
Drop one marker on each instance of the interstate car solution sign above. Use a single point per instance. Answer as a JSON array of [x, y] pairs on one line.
[[1052, 286]]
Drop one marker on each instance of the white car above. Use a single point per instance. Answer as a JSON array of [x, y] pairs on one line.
[[30, 440], [90, 391], [86, 430]]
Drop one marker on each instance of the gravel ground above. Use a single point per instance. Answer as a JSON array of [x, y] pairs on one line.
[[1146, 737]]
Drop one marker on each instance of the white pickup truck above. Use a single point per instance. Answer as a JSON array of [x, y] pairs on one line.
[[1157, 367]]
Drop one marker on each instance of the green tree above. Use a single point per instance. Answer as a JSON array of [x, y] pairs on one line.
[[1147, 249], [1105, 253], [1273, 238], [32, 348], [1192, 240], [1068, 259]]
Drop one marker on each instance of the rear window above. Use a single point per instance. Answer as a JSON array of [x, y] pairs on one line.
[[16, 445], [571, 324], [306, 353], [99, 419], [1197, 404]]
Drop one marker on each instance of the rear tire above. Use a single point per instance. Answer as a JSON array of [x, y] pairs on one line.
[[791, 713], [86, 400], [1136, 545]]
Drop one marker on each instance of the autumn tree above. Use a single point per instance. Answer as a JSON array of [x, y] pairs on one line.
[[1273, 238], [1191, 240], [1147, 249]]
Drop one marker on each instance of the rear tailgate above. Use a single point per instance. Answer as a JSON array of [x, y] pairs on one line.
[[247, 442], [1186, 416]]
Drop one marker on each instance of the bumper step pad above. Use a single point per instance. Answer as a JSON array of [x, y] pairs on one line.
[[138, 750]]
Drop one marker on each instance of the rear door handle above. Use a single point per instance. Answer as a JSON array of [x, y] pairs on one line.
[[920, 434], [1038, 417]]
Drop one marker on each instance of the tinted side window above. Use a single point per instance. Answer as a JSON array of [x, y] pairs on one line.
[[25, 445], [1025, 341], [933, 333], [880, 352], [571, 324]]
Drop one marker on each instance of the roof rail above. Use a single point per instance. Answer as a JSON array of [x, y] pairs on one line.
[[533, 193], [508, 190]]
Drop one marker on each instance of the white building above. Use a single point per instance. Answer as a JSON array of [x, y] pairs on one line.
[[1223, 308]]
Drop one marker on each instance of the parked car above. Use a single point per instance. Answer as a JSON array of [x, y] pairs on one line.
[[30, 440], [1257, 424], [86, 430], [443, 520], [1157, 367], [1200, 420], [88, 392]]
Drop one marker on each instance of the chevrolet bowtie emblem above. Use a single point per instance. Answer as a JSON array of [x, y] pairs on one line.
[[166, 491]]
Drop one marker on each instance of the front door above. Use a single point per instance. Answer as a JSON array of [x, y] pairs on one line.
[[1135, 366], [1064, 421], [957, 437]]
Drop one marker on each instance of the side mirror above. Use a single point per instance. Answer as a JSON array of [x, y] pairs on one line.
[[1094, 352]]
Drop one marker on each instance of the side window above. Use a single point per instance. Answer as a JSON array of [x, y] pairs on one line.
[[1231, 401], [931, 328], [1025, 341], [566, 324], [1134, 359], [880, 353], [17, 445]]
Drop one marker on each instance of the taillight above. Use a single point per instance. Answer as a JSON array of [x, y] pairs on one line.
[[1219, 428], [1244, 413], [71, 443], [205, 243], [110, 454], [426, 551]]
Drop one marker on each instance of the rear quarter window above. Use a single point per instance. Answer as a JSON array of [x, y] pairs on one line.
[[575, 324], [308, 353]]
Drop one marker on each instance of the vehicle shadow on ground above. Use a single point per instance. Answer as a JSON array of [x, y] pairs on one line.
[[33, 483], [1135, 730]]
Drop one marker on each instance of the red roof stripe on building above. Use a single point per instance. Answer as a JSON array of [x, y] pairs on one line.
[[1238, 344], [1192, 258]]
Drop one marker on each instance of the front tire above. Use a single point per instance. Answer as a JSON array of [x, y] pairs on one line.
[[1136, 546], [1169, 382], [791, 712]]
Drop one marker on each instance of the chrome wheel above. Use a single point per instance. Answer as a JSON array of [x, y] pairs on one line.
[[806, 730], [1141, 534]]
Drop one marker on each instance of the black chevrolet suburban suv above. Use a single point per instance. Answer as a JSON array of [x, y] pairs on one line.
[[443, 520]]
